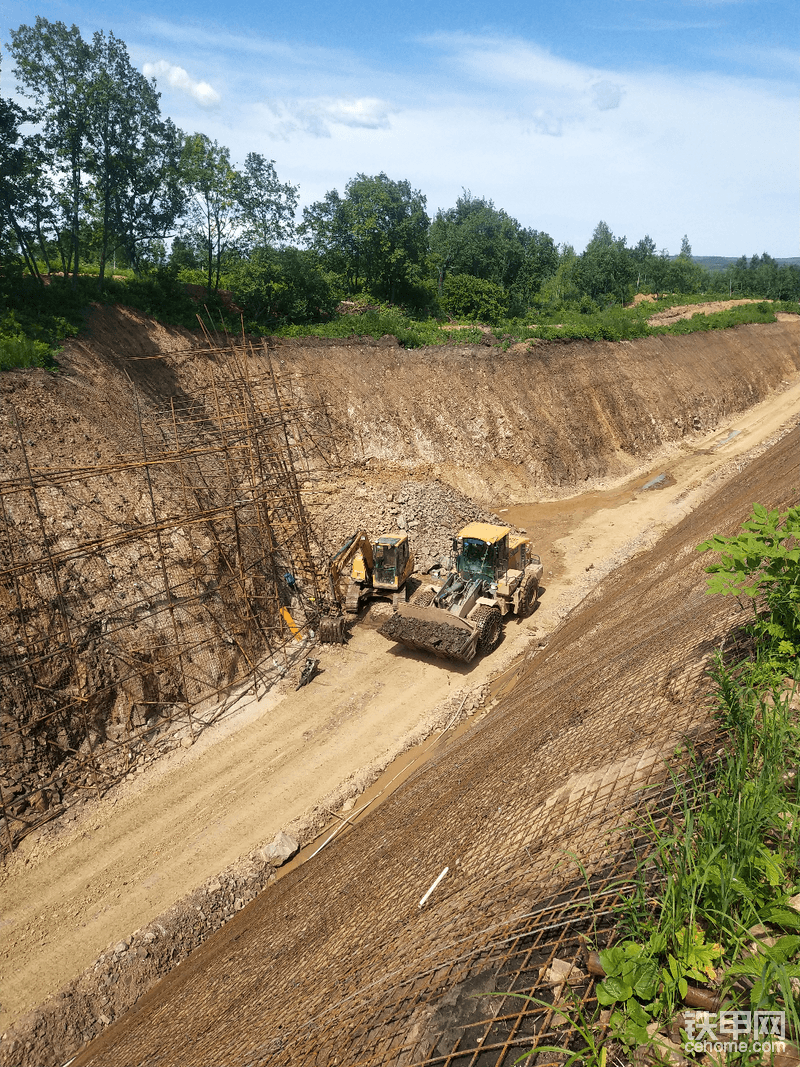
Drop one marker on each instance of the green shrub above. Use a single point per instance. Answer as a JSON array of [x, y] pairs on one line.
[[20, 351], [282, 287], [474, 299]]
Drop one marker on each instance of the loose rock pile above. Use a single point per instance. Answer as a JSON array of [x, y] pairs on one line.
[[448, 642], [432, 513]]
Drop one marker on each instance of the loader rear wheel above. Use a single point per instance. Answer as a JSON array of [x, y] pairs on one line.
[[528, 595], [489, 623]]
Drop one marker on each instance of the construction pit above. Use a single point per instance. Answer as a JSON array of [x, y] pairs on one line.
[[155, 494]]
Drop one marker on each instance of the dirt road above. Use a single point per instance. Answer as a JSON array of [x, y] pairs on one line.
[[128, 857]]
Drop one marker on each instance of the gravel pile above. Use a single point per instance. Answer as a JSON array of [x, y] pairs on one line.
[[432, 513]]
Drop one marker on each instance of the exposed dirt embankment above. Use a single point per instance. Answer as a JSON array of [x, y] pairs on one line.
[[544, 420], [437, 427]]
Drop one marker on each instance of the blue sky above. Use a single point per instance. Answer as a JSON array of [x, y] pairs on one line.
[[659, 116]]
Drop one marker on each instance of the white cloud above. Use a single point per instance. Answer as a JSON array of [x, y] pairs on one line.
[[558, 144], [177, 78], [316, 116], [606, 95]]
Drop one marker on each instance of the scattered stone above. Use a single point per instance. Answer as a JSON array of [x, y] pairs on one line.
[[187, 742], [660, 1050], [563, 971], [121, 946], [349, 804], [279, 850]]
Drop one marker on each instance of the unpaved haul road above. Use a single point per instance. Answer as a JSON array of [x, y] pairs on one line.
[[129, 857]]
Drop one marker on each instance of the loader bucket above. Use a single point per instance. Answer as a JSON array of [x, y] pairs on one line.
[[432, 630]]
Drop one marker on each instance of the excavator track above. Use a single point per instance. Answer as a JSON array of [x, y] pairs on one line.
[[353, 600]]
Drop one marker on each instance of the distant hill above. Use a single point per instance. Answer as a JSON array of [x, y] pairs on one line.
[[721, 262]]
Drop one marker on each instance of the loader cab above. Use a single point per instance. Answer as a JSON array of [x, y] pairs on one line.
[[390, 554], [482, 551]]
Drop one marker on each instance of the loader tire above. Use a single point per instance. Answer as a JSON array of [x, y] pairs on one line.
[[425, 598], [489, 623], [528, 595]]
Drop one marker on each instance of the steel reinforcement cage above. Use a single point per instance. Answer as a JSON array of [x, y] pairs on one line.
[[138, 594]]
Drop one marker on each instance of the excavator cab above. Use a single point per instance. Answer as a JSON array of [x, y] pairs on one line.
[[390, 554]]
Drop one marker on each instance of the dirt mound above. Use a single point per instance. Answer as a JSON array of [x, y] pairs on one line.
[[685, 311]]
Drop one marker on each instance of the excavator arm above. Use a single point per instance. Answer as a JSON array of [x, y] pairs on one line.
[[359, 543]]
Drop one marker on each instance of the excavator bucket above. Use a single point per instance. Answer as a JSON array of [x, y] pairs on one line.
[[428, 629]]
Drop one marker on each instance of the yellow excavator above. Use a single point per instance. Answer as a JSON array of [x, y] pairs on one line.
[[494, 574], [379, 568]]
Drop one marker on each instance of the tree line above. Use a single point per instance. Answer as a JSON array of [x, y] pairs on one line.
[[91, 172]]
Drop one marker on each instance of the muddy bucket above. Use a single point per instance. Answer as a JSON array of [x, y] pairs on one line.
[[432, 630]]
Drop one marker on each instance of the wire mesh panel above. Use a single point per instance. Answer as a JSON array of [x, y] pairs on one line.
[[530, 812]]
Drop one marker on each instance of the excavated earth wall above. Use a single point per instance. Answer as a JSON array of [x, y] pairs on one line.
[[543, 420], [418, 437]]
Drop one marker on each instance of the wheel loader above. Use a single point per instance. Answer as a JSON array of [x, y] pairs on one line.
[[493, 574], [379, 568]]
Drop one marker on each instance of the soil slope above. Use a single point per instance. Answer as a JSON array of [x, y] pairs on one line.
[[501, 427], [544, 420]]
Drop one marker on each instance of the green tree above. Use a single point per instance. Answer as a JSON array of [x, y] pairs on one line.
[[643, 255], [13, 165], [607, 266], [124, 135], [540, 262], [375, 237], [562, 287], [266, 206], [475, 238], [151, 199], [686, 276], [213, 206], [53, 66], [660, 272], [282, 286], [472, 298]]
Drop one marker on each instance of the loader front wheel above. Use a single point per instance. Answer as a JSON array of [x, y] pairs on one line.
[[528, 595], [489, 623]]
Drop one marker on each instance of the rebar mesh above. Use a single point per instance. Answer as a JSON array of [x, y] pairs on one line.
[[337, 963], [135, 592]]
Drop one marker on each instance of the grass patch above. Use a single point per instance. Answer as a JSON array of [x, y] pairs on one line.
[[708, 904], [410, 332]]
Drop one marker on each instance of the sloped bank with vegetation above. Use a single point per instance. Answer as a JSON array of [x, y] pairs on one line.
[[705, 953]]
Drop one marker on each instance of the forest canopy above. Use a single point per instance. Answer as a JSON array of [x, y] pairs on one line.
[[95, 181]]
